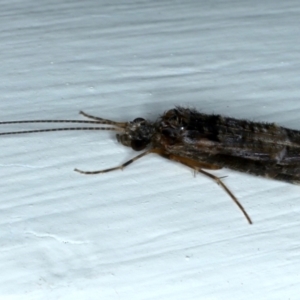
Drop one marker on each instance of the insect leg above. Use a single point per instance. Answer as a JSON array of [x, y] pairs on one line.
[[121, 167], [103, 121], [90, 116], [220, 182], [197, 166]]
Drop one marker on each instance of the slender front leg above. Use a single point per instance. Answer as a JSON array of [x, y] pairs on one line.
[[90, 116], [121, 167]]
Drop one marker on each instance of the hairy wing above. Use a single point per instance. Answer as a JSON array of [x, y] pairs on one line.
[[257, 148]]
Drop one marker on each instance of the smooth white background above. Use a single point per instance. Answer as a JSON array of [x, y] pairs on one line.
[[153, 231]]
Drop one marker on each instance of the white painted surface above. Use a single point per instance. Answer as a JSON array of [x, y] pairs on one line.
[[152, 231]]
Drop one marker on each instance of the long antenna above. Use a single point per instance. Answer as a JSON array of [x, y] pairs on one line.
[[49, 121], [60, 129], [119, 126]]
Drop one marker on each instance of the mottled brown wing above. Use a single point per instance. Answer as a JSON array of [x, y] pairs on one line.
[[257, 148]]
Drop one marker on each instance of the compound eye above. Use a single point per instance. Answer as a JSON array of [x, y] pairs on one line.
[[172, 113], [138, 145], [138, 120]]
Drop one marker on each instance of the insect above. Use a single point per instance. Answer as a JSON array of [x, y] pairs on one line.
[[202, 142]]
